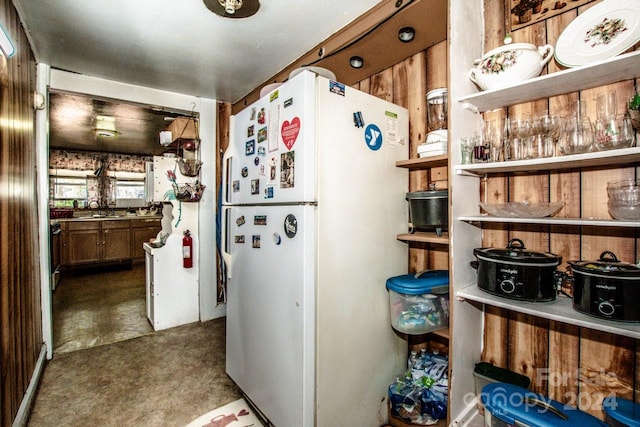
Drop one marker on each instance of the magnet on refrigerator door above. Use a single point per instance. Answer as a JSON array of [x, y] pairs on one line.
[[244, 172], [373, 137], [274, 95], [260, 220], [288, 103], [276, 238], [235, 186], [287, 168], [336, 87], [290, 226], [268, 193], [290, 131], [262, 134], [250, 147], [250, 131], [255, 186], [239, 238], [255, 241], [262, 116], [240, 221]]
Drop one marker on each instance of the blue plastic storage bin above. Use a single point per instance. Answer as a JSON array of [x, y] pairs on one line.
[[621, 412], [507, 403], [419, 303]]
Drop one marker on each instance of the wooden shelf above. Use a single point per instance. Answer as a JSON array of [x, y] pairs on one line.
[[618, 68], [578, 222], [443, 333], [560, 310], [424, 162], [574, 161], [425, 237]]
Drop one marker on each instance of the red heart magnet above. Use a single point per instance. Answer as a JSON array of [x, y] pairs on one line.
[[290, 131]]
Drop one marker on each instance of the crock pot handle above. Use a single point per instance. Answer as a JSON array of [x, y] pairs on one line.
[[512, 241], [613, 257], [474, 264]]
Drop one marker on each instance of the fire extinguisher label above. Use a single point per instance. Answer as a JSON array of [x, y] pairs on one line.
[[186, 253]]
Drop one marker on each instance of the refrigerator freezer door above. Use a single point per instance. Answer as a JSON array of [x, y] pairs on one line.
[[271, 157], [271, 309]]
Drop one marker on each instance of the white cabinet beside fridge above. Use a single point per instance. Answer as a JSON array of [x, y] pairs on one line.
[[172, 291]]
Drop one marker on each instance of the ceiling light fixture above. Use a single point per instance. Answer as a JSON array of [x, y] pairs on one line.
[[406, 34], [230, 6], [105, 127], [233, 8], [356, 62]]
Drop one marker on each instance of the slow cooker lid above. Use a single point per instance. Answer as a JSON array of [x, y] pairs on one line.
[[517, 252], [608, 264]]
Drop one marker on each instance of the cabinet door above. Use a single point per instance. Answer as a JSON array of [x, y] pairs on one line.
[[83, 246], [142, 231], [116, 244]]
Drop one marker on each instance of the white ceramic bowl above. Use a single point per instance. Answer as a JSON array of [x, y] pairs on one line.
[[510, 64]]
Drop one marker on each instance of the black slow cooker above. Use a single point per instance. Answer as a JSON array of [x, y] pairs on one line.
[[514, 272], [607, 288]]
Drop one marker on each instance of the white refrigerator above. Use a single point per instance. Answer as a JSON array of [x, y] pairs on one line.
[[312, 204]]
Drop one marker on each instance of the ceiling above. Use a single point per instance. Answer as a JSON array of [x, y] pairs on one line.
[[181, 46]]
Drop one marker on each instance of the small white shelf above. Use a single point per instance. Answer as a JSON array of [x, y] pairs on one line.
[[618, 68], [560, 310], [552, 221], [573, 161]]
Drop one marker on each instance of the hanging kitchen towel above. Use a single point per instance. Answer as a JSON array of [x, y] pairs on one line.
[[234, 414]]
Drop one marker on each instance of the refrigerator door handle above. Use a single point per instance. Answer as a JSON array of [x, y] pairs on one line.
[[226, 255], [227, 178]]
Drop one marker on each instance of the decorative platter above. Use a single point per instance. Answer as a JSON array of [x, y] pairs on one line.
[[522, 209], [601, 32]]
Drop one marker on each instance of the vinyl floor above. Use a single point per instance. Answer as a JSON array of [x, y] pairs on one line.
[[110, 369]]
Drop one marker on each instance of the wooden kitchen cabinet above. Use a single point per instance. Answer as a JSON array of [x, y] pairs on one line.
[[142, 230], [116, 240], [87, 241], [80, 242]]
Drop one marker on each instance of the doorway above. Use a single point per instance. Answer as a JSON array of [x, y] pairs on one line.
[[57, 80]]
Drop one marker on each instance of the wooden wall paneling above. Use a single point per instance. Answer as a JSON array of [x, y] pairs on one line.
[[416, 71], [496, 336], [222, 141], [606, 367], [530, 187], [437, 70], [382, 85], [528, 348], [564, 359], [20, 321]]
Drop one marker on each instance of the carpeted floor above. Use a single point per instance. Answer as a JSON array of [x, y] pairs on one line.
[[166, 378]]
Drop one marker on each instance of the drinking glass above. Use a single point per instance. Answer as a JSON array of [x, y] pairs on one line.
[[576, 135], [616, 132], [467, 145], [607, 106]]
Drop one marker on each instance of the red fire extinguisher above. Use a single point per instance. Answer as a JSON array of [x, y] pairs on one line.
[[187, 250]]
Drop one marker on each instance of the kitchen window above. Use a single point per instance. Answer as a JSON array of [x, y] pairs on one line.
[[66, 190]]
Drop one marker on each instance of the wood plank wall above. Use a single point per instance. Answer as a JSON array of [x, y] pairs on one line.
[[20, 316], [407, 83], [574, 365]]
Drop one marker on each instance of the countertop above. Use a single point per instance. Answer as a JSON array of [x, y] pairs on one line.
[[106, 217]]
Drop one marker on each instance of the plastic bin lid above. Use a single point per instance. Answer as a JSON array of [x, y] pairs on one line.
[[510, 403], [622, 410], [426, 282], [486, 369]]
